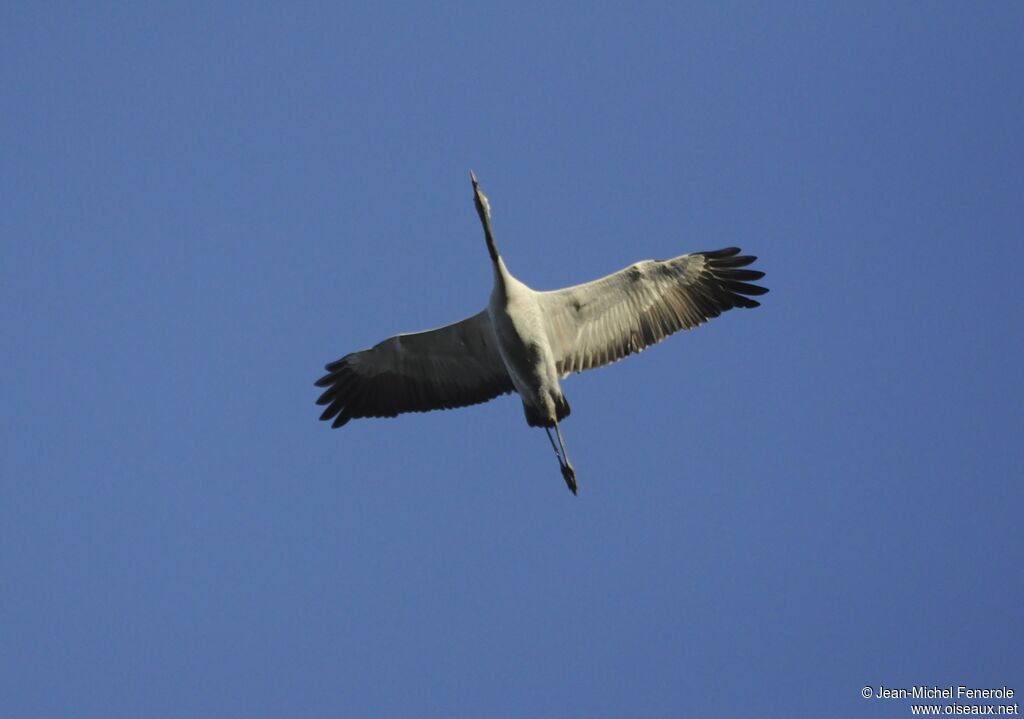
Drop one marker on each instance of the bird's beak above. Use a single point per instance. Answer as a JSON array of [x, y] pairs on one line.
[[483, 206]]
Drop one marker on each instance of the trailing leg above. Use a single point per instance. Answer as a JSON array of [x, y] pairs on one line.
[[568, 473]]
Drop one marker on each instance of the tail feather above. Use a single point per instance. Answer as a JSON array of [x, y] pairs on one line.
[[535, 418]]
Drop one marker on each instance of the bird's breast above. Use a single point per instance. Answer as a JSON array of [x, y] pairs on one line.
[[523, 344]]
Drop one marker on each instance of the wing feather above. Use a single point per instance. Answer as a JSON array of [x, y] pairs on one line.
[[600, 322], [453, 366]]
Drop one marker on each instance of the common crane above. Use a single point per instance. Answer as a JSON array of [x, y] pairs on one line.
[[526, 341]]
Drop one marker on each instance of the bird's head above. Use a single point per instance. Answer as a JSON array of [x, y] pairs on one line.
[[483, 205], [483, 209]]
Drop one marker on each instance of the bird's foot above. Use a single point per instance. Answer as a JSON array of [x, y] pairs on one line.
[[569, 475]]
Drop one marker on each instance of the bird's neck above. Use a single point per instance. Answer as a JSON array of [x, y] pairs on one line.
[[501, 273], [492, 246]]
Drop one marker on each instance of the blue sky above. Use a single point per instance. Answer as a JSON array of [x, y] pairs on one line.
[[203, 205]]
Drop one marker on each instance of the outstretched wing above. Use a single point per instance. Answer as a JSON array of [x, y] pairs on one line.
[[449, 367], [600, 322]]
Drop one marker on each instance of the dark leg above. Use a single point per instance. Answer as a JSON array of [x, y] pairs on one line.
[[568, 473]]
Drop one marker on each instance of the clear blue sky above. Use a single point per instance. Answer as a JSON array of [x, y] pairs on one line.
[[201, 206]]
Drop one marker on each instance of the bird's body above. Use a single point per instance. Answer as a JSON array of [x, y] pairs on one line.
[[526, 341], [518, 325]]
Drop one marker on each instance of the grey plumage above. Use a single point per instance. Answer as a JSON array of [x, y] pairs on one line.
[[600, 322], [526, 340], [445, 368]]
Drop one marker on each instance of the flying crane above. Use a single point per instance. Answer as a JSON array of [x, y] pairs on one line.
[[526, 341]]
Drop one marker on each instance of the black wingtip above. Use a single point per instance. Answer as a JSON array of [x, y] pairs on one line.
[[734, 283], [742, 275], [744, 288], [720, 254]]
